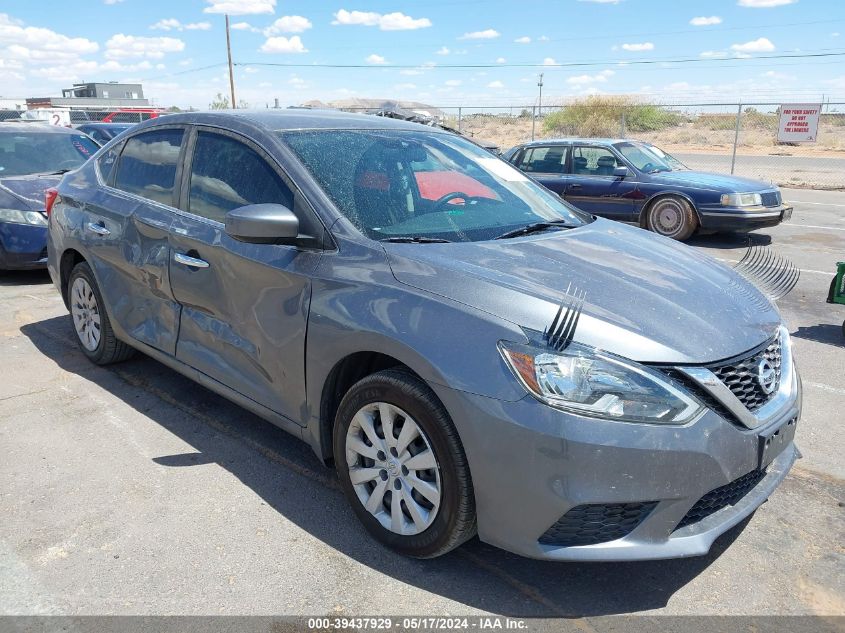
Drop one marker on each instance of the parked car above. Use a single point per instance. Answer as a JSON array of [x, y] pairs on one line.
[[636, 182], [32, 158], [435, 350], [103, 132]]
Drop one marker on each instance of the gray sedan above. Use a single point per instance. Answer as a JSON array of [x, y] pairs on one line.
[[470, 352]]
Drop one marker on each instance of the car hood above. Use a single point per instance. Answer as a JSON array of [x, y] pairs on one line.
[[648, 298], [704, 180], [25, 192]]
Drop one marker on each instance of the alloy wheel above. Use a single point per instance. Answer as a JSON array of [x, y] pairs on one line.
[[86, 314], [393, 469]]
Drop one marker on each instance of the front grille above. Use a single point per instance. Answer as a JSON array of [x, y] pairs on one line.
[[596, 523], [771, 198], [743, 378], [721, 497]]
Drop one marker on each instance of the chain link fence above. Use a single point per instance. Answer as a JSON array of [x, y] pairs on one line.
[[726, 138]]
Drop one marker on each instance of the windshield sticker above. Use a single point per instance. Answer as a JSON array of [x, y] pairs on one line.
[[502, 170]]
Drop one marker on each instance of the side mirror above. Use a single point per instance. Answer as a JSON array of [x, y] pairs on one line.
[[262, 224], [620, 172]]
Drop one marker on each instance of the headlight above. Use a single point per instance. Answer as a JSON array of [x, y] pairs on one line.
[[15, 216], [741, 200], [595, 384]]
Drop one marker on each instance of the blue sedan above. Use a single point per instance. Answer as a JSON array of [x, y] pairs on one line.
[[636, 182], [33, 157]]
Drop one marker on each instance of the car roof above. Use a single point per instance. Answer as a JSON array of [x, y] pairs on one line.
[[292, 119], [104, 125], [15, 127], [570, 141]]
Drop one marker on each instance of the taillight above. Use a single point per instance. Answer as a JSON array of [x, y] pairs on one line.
[[49, 198]]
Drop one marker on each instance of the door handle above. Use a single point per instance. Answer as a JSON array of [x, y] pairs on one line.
[[191, 262], [99, 229], [575, 186]]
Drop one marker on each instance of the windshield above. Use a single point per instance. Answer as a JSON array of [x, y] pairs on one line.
[[427, 185], [648, 158], [42, 152]]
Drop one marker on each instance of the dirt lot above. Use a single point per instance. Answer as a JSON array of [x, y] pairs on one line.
[[130, 490]]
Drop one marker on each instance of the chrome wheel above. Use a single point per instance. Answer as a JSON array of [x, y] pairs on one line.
[[86, 314], [393, 469]]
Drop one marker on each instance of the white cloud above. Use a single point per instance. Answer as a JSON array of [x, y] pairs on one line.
[[760, 45], [523, 40], [122, 46], [172, 24], [706, 20], [406, 86], [386, 22], [764, 4], [550, 61], [487, 34], [240, 7], [835, 34], [496, 84], [111, 1], [375, 59], [581, 80], [500, 60], [771, 74], [243, 26], [282, 44], [411, 72], [644, 46], [712, 54], [288, 24], [443, 51], [36, 39], [453, 82]]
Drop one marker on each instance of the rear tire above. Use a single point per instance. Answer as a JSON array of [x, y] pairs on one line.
[[93, 329], [412, 488], [673, 217]]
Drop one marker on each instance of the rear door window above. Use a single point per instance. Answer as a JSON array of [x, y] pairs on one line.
[[147, 165], [544, 160]]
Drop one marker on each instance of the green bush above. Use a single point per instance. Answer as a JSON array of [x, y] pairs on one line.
[[603, 115]]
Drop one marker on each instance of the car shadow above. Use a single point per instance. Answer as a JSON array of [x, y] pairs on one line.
[[24, 277], [822, 333], [289, 478], [730, 240]]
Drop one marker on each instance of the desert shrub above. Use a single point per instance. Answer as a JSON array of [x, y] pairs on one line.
[[602, 116]]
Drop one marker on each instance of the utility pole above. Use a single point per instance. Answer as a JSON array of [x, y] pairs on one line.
[[540, 101], [231, 73]]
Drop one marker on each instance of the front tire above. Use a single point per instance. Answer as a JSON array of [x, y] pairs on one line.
[[402, 466], [93, 329], [673, 217]]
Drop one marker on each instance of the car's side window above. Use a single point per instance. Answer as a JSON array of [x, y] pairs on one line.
[[546, 160], [593, 161], [227, 174], [106, 163], [147, 165]]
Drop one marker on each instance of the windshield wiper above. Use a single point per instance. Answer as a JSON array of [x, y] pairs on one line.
[[536, 227], [415, 239]]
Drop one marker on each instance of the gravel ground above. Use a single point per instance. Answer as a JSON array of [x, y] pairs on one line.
[[131, 490]]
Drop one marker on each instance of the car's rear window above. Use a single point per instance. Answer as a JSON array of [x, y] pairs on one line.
[[32, 152]]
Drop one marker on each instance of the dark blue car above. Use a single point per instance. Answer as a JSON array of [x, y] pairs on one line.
[[636, 182], [103, 132], [33, 157]]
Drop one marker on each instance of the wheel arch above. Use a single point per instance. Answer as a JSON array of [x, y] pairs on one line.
[[68, 261]]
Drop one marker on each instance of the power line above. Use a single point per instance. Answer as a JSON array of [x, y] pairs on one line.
[[620, 62]]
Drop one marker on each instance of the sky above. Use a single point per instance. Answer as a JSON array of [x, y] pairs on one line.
[[467, 53]]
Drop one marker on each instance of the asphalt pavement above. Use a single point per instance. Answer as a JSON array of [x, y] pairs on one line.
[[131, 490]]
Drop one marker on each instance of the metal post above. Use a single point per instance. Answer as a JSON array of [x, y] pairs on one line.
[[736, 136], [231, 73], [460, 121], [533, 120], [540, 100]]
